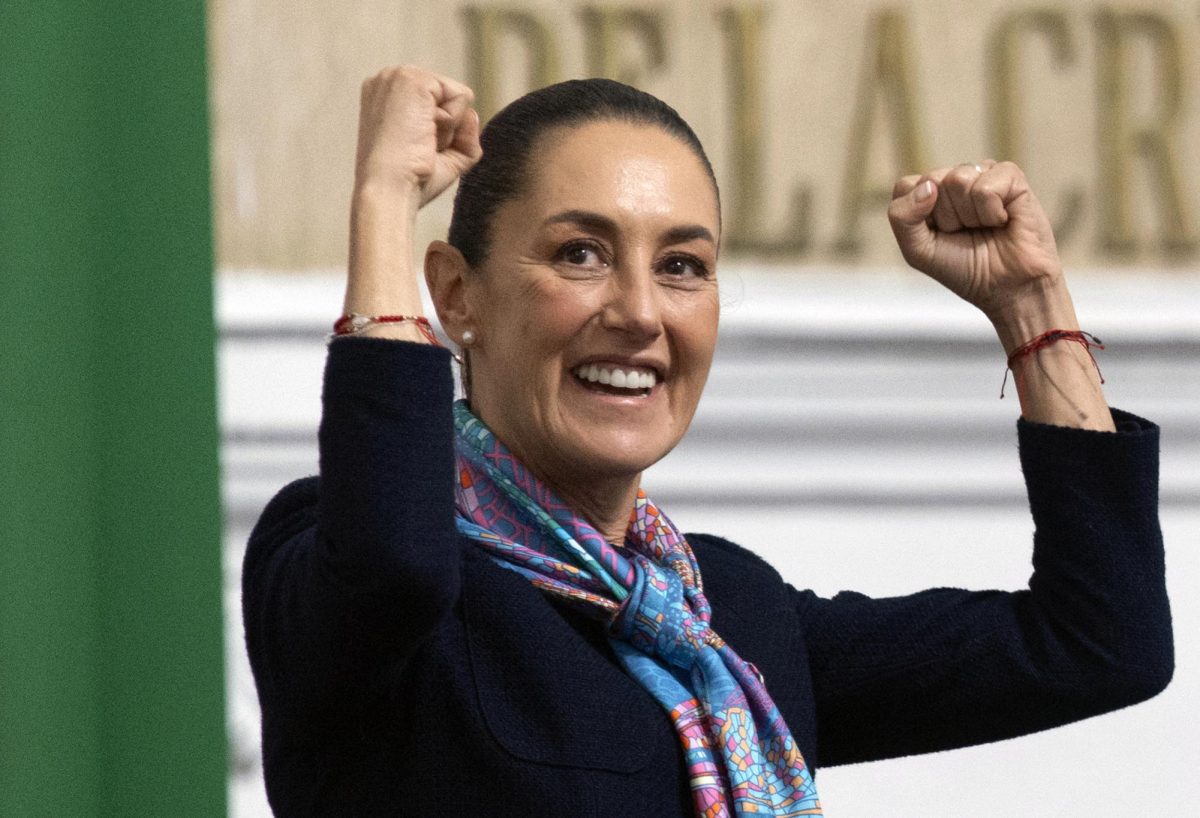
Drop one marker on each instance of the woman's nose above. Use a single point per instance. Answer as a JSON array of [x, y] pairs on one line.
[[633, 304]]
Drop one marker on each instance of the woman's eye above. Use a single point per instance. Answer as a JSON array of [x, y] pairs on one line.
[[581, 255], [684, 267]]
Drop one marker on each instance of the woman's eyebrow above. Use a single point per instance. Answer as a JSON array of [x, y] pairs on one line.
[[603, 224], [688, 232], [584, 218]]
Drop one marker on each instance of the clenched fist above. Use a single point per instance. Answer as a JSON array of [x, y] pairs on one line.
[[979, 230], [417, 132]]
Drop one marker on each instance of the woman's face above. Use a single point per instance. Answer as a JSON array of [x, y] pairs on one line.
[[596, 309]]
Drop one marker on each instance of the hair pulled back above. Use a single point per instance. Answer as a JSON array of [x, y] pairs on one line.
[[512, 136]]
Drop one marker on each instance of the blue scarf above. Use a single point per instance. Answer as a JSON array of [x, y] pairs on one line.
[[741, 757]]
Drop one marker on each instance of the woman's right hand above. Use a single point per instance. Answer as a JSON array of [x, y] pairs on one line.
[[417, 132]]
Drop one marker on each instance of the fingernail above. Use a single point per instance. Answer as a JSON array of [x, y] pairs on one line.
[[924, 190]]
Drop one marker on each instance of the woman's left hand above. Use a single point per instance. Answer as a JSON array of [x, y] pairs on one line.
[[979, 230]]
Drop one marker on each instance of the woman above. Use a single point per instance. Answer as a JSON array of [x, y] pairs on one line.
[[475, 610]]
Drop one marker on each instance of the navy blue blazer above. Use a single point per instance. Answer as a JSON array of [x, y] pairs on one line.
[[401, 672]]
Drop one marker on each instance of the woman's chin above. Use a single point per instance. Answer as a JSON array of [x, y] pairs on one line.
[[619, 433], [601, 450]]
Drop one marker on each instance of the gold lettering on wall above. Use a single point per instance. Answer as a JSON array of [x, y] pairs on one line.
[[809, 109], [742, 27], [607, 27], [486, 36], [1153, 140], [1007, 101], [887, 78]]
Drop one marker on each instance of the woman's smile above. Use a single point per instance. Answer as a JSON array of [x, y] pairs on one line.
[[610, 378]]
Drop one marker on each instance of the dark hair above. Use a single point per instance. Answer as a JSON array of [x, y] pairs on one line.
[[512, 136]]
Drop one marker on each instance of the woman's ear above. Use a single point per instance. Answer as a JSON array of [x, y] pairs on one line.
[[446, 276]]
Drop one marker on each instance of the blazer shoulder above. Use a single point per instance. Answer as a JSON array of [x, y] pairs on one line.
[[725, 554]]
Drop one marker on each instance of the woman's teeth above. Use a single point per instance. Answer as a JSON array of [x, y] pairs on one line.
[[620, 378]]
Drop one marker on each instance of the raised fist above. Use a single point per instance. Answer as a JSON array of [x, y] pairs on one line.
[[417, 132], [977, 229]]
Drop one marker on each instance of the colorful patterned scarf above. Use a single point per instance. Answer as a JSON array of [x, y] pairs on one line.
[[741, 757]]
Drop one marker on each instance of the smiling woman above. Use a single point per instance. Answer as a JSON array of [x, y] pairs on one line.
[[607, 260], [477, 609]]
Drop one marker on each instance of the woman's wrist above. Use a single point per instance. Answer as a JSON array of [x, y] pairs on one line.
[[1057, 382], [386, 326], [396, 194], [1043, 307], [394, 332]]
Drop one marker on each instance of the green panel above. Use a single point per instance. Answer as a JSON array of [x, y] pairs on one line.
[[48, 645], [111, 662]]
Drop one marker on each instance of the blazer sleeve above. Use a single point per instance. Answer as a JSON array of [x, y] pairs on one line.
[[948, 668], [350, 571]]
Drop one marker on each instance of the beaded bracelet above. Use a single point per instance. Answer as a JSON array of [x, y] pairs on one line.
[[1085, 339], [353, 323]]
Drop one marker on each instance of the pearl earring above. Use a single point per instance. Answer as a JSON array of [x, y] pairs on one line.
[[468, 338]]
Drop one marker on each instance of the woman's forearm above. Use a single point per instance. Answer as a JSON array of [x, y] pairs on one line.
[[381, 279], [948, 668], [349, 575]]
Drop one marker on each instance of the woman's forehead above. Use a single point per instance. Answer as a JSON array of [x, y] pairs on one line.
[[631, 168]]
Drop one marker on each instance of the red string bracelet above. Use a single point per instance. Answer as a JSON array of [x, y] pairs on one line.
[[352, 323], [1085, 339]]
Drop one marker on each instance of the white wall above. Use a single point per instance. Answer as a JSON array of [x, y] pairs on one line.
[[863, 407]]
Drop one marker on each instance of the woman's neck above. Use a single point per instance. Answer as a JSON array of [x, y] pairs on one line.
[[603, 498], [605, 503]]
